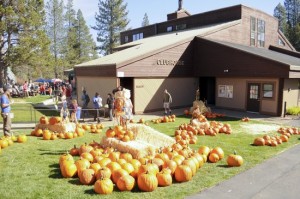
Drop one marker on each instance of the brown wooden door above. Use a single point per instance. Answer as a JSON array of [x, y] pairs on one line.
[[253, 99]]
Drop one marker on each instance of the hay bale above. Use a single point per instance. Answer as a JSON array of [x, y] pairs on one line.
[[59, 128]]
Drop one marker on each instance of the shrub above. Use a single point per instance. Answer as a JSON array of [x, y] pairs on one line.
[[295, 110]]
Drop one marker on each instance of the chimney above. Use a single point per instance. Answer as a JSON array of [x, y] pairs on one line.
[[180, 13]]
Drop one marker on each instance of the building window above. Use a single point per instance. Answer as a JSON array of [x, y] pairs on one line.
[[252, 30], [268, 90], [280, 42], [169, 29], [137, 36], [261, 33], [126, 39], [254, 92], [181, 27]]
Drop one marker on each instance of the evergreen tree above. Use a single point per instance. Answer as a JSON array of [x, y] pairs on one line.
[[23, 43], [57, 33], [110, 21], [86, 47], [280, 14], [145, 21]]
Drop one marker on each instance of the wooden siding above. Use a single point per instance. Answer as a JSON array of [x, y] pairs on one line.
[[216, 60], [96, 71], [160, 64]]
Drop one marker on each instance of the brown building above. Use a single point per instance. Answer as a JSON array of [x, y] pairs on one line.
[[236, 55]]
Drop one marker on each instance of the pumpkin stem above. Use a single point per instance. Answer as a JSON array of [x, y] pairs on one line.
[[234, 152]]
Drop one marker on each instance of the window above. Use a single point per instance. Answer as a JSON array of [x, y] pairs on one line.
[[280, 42], [268, 90], [181, 27], [261, 33], [225, 91], [252, 31], [137, 36], [169, 29], [126, 39], [254, 92]]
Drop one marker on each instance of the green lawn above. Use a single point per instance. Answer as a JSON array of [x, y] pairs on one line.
[[31, 170]]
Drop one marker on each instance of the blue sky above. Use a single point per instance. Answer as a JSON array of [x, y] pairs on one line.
[[157, 10]]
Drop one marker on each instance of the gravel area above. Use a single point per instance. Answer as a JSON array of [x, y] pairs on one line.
[[260, 128]]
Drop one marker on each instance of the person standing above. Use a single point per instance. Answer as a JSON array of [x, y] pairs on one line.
[[97, 101], [85, 99], [73, 111], [167, 100], [25, 89], [5, 110], [110, 103]]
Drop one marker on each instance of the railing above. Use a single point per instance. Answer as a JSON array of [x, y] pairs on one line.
[[32, 115]]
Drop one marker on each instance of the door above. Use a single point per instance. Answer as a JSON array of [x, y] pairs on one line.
[[253, 99]]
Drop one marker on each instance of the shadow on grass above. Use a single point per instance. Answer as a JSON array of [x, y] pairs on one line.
[[224, 166], [219, 119], [56, 174], [48, 152], [90, 192]]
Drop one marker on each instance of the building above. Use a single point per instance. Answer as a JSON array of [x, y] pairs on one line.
[[237, 56]]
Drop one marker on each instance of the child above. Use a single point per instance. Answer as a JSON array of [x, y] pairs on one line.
[[74, 107], [64, 112]]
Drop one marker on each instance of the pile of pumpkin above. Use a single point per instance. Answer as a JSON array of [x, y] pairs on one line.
[[212, 115], [46, 134], [105, 167], [121, 133], [9, 140], [268, 140], [216, 154], [245, 119], [164, 119]]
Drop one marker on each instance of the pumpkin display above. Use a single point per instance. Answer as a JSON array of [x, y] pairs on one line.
[[234, 160], [104, 186]]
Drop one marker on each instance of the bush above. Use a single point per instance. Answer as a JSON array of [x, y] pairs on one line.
[[295, 110]]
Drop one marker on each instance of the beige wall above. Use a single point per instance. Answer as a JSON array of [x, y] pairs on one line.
[[291, 93], [239, 100], [102, 85], [148, 93]]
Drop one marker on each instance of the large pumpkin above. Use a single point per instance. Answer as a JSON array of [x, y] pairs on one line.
[[259, 141], [219, 151], [183, 173], [147, 182], [44, 120], [104, 186], [234, 160], [164, 178], [87, 176], [126, 183]]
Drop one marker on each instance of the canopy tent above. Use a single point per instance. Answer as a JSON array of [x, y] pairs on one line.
[[42, 80], [56, 80]]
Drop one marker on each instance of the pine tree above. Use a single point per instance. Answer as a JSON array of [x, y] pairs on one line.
[[280, 14], [23, 42], [110, 21], [57, 33], [145, 21]]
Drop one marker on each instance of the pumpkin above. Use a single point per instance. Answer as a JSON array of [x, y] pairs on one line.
[[82, 164], [128, 167], [22, 138], [234, 160], [104, 172], [104, 186], [259, 141], [213, 157], [110, 133], [44, 120], [170, 164], [204, 150], [3, 143], [219, 151], [96, 167], [183, 173], [46, 134], [74, 151], [147, 182], [189, 162], [68, 169], [126, 183], [113, 166], [85, 148], [87, 176], [164, 178], [88, 156], [117, 174]]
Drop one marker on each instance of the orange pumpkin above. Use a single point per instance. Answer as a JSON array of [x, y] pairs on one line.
[[126, 183], [234, 160], [147, 182], [104, 186]]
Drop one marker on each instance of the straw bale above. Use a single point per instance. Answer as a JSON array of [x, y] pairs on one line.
[[59, 128]]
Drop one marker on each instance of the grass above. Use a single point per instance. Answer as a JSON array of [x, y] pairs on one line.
[[31, 170], [27, 109]]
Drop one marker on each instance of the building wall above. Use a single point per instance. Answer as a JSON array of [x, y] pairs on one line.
[[102, 85], [239, 99], [148, 95], [291, 92], [175, 61]]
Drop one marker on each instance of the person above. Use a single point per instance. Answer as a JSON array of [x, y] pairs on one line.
[[97, 101], [119, 88], [5, 110], [85, 99], [127, 107], [64, 112], [26, 89], [167, 100], [73, 112], [69, 93], [110, 104], [198, 94]]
